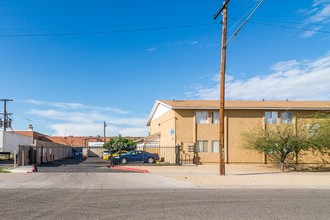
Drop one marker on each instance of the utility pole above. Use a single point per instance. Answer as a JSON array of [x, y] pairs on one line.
[[224, 10], [6, 121], [104, 126], [222, 86]]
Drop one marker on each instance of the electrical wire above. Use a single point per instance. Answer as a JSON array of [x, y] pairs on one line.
[[102, 26], [239, 20], [289, 27], [155, 29], [107, 32], [93, 3], [246, 20]]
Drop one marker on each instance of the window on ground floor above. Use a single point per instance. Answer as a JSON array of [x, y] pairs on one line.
[[286, 117], [271, 117], [215, 146], [202, 146]]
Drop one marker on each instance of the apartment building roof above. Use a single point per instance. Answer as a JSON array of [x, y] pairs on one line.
[[214, 104]]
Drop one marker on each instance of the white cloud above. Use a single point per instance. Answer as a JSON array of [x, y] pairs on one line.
[[78, 119], [76, 116], [285, 65], [88, 129], [311, 33], [66, 129], [293, 80], [152, 49], [73, 106], [318, 17]]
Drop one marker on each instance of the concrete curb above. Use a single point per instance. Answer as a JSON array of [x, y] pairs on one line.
[[129, 169]]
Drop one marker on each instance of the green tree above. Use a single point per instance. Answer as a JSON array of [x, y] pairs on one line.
[[120, 143], [321, 132], [288, 140]]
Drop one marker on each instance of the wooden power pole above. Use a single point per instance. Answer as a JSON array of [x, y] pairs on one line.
[[222, 86], [224, 10]]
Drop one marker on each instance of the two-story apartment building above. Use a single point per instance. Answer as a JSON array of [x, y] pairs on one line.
[[196, 123]]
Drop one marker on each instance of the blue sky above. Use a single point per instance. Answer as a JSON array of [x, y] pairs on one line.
[[70, 65]]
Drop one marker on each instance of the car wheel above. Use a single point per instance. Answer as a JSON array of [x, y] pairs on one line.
[[124, 160], [150, 160]]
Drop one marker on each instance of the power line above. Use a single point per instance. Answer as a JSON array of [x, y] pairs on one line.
[[246, 20], [107, 32], [93, 3], [290, 27], [288, 22], [104, 15], [168, 22]]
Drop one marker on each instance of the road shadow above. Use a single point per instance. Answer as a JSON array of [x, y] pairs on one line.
[[253, 174], [79, 165], [316, 169]]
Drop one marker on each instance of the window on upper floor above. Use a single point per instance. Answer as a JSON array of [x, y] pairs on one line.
[[202, 146], [286, 117], [202, 117], [271, 117], [215, 118]]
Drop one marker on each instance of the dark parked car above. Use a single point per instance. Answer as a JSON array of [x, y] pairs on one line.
[[136, 156]]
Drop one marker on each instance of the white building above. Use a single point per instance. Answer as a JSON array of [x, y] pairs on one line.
[[9, 141]]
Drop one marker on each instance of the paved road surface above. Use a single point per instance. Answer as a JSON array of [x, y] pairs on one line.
[[89, 194], [91, 181], [164, 204]]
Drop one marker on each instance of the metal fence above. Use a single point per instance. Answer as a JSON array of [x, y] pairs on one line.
[[167, 154], [43, 155]]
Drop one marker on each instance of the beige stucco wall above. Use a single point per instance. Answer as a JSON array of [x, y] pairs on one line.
[[240, 121], [314, 157], [185, 126], [163, 126], [187, 132]]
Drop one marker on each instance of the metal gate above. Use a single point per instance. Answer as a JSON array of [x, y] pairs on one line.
[[56, 156]]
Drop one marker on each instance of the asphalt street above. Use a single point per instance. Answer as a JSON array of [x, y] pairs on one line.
[[93, 191], [164, 204]]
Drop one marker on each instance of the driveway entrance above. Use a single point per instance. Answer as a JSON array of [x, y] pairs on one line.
[[79, 165]]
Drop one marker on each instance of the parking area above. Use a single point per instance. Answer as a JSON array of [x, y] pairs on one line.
[[81, 165], [72, 165]]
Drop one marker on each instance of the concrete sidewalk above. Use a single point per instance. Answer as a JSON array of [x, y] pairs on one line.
[[251, 176], [238, 176], [21, 169]]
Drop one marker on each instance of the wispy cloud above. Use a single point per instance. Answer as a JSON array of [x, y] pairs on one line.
[[152, 49], [294, 80], [318, 17], [66, 129], [79, 119], [74, 106]]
